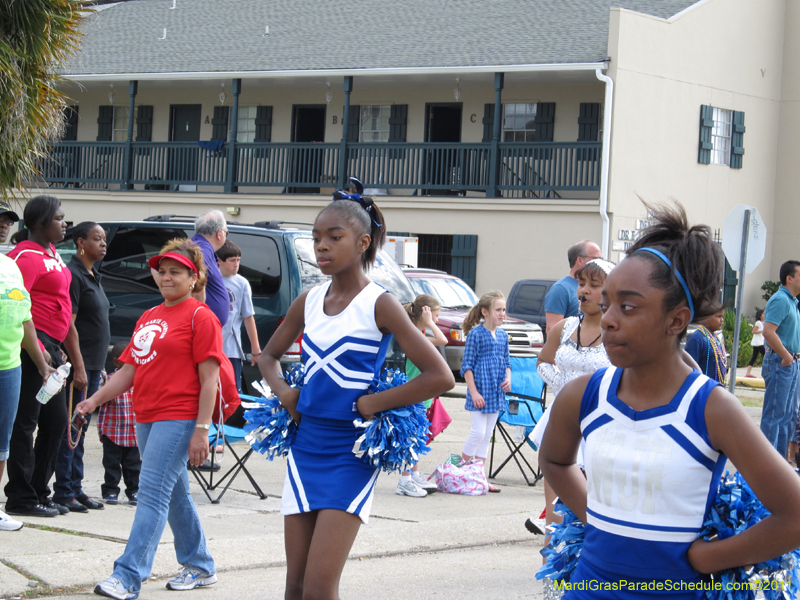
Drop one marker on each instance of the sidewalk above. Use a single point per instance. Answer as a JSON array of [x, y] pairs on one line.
[[443, 545]]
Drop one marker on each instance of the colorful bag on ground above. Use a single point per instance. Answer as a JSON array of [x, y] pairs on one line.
[[456, 477], [439, 419]]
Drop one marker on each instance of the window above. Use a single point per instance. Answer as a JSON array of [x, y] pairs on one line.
[[260, 264], [519, 122], [721, 136], [374, 126], [120, 124], [529, 299], [246, 124]]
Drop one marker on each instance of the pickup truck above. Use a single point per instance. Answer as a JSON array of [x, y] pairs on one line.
[[526, 301]]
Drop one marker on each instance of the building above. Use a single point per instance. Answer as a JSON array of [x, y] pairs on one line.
[[499, 136]]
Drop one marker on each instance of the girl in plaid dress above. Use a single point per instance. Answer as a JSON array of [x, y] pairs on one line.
[[117, 430], [487, 370]]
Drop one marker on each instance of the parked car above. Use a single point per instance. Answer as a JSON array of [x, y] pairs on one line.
[[456, 298], [277, 260], [526, 301]]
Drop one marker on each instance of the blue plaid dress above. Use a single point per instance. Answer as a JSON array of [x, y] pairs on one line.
[[487, 357]]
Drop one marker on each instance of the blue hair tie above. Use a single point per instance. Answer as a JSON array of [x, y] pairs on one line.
[[365, 201], [681, 280]]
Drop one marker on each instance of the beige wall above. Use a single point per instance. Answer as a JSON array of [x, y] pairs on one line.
[[566, 97], [726, 53], [786, 242], [517, 239]]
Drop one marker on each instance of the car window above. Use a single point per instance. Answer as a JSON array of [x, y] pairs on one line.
[[260, 264], [384, 272], [125, 267], [529, 299], [450, 292]]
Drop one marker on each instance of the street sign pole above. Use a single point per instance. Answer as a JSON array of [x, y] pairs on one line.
[[739, 301]]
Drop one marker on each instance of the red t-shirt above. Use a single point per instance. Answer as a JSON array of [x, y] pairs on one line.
[[165, 349], [47, 280]]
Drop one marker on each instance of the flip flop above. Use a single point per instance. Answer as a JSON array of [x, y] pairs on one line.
[[751, 376], [494, 490]]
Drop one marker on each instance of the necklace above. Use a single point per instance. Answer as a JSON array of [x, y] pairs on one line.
[[590, 344], [716, 348]]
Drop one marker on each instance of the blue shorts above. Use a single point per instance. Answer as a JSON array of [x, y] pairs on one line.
[[322, 471], [10, 380], [598, 584]]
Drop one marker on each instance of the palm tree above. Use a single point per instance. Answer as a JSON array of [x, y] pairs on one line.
[[36, 38]]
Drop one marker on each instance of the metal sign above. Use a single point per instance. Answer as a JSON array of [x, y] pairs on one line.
[[732, 238]]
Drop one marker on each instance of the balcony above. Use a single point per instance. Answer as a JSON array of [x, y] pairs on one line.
[[521, 170]]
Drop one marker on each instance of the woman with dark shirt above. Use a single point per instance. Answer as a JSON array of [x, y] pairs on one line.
[[47, 279], [90, 317]]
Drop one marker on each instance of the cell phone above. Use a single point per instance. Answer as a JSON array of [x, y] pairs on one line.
[[78, 420]]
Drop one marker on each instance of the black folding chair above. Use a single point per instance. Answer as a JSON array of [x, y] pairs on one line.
[[525, 408], [210, 481]]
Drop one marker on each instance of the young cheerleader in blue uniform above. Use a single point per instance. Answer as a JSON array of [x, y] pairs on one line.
[[346, 326], [657, 434]]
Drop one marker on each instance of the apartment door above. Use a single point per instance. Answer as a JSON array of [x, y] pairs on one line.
[[308, 126], [443, 166], [184, 126]]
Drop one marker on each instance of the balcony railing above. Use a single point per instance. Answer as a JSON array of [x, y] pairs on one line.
[[532, 169]]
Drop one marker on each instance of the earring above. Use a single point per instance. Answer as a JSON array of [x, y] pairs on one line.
[[192, 286], [82, 252]]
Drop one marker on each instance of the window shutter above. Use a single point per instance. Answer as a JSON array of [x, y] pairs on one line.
[[105, 124], [488, 123], [737, 140], [545, 118], [144, 123], [220, 124], [589, 122], [706, 124], [398, 118], [71, 121], [354, 124], [263, 124], [464, 258]]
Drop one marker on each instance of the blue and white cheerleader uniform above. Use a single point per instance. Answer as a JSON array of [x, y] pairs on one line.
[[342, 354], [651, 477]]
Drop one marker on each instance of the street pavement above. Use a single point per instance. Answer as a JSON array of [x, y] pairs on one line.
[[441, 547]]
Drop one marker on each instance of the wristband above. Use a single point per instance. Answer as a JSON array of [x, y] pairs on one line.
[[202, 426]]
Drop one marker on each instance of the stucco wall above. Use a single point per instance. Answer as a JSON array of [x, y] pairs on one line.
[[726, 53]]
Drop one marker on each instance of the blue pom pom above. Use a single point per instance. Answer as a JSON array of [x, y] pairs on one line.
[[564, 548], [395, 439], [735, 508], [270, 428]]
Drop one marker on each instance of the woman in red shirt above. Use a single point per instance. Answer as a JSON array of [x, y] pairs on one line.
[[173, 363], [47, 279]]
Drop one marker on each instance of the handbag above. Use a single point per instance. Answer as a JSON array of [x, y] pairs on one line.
[[439, 419], [465, 478], [227, 400]]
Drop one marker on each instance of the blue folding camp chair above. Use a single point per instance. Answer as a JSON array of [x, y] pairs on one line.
[[525, 408], [230, 435]]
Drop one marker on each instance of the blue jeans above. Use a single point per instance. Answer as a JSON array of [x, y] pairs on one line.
[[163, 497], [10, 380], [236, 363], [69, 463], [780, 401]]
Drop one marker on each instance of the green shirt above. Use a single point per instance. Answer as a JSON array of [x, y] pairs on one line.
[[411, 372], [15, 309]]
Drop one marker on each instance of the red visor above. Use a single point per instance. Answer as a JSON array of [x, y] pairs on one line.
[[155, 261]]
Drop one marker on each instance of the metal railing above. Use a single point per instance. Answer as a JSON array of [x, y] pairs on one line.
[[535, 169]]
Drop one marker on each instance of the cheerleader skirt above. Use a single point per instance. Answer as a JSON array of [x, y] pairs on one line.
[[323, 473]]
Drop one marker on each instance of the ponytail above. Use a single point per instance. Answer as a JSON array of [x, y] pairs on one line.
[[693, 254], [475, 313], [414, 309], [365, 217]]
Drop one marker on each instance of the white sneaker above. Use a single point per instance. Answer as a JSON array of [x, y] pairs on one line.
[[9, 524], [190, 578], [409, 488], [114, 588], [426, 484], [536, 526]]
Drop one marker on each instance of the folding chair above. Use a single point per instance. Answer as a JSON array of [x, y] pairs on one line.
[[230, 435], [525, 408]]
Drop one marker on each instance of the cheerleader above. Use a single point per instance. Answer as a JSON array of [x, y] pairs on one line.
[[657, 433], [346, 326]]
